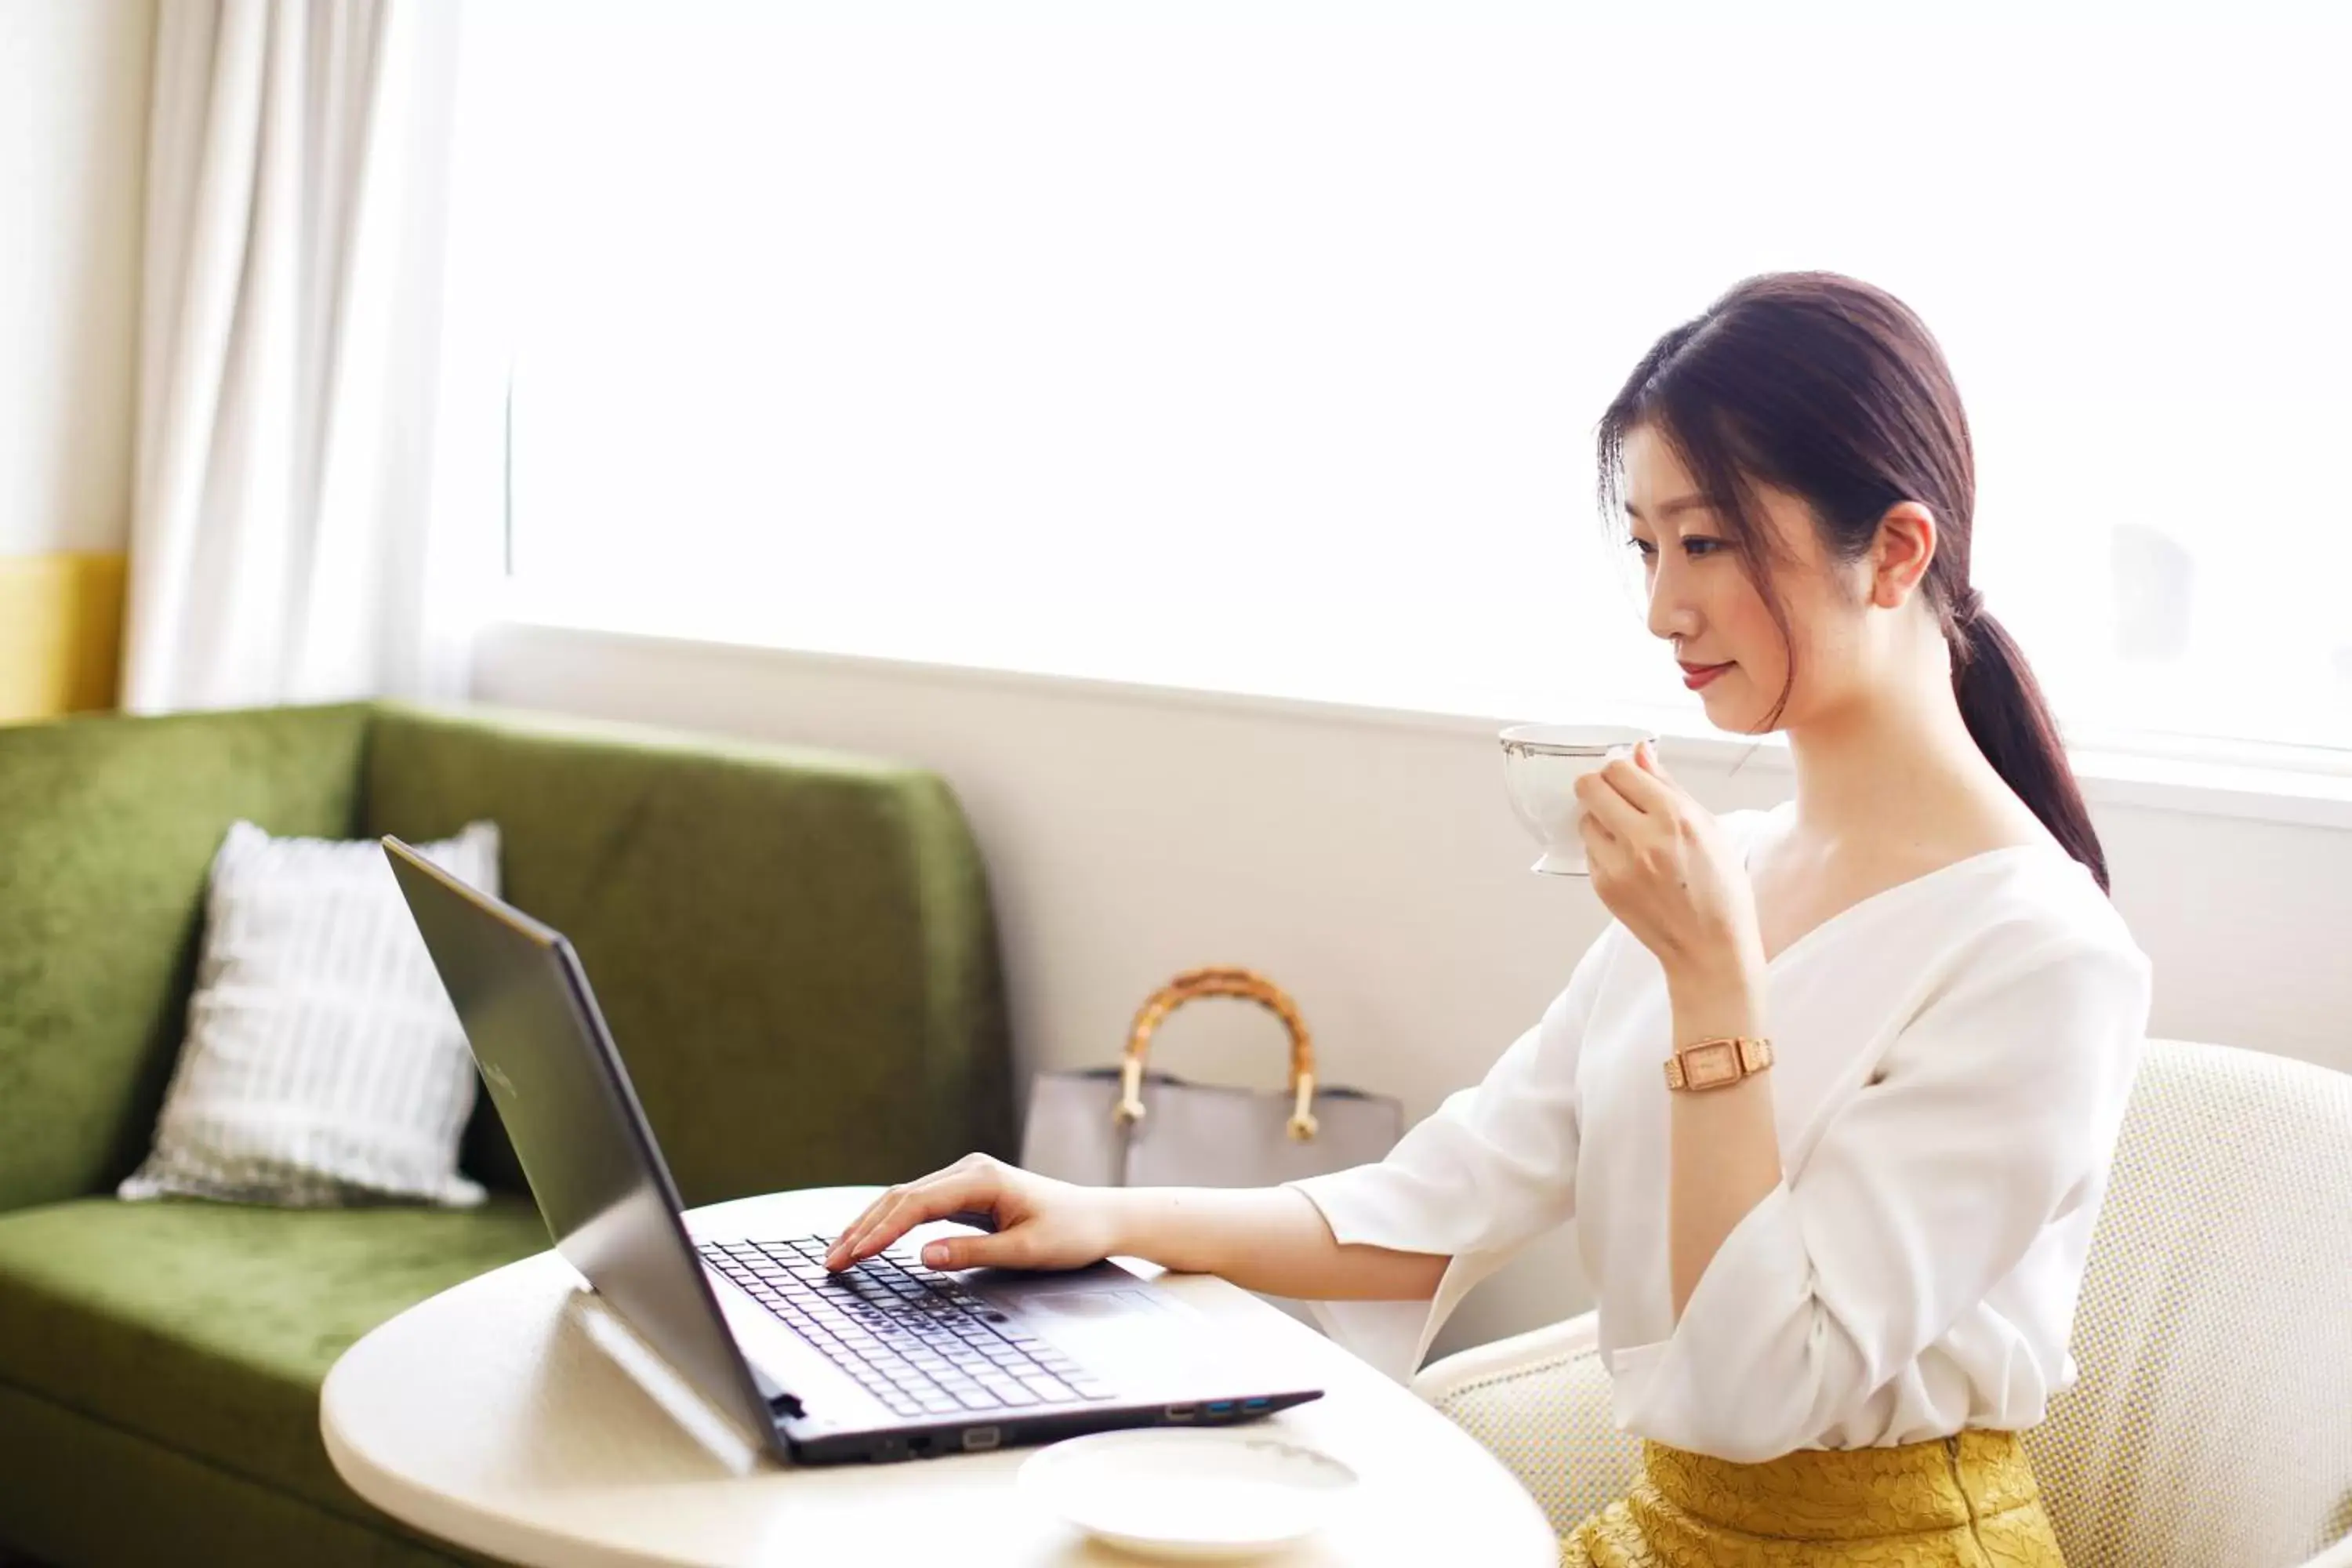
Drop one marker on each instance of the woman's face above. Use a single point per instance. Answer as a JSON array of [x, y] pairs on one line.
[[1702, 598]]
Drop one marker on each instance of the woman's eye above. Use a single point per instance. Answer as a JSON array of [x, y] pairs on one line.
[[1690, 546]]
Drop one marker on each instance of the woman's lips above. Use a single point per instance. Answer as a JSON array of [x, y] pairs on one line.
[[1695, 677]]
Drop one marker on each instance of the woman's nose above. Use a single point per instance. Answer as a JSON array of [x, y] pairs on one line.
[[1670, 617]]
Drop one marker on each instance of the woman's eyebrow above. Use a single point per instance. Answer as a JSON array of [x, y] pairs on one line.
[[1668, 509]]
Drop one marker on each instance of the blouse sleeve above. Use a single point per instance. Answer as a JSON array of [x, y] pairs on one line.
[[1490, 1169], [1995, 1114]]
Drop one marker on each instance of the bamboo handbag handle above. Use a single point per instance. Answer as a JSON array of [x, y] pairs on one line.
[[1248, 986]]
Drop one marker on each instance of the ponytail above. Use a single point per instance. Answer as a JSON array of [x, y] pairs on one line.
[[2005, 711]]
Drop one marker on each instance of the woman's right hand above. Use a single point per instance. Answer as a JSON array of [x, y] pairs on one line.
[[1040, 1223]]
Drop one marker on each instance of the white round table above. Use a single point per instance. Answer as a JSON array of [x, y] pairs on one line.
[[516, 1415]]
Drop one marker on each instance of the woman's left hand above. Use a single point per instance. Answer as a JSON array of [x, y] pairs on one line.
[[1665, 868]]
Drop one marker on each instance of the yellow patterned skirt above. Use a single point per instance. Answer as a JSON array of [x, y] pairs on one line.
[[1967, 1501]]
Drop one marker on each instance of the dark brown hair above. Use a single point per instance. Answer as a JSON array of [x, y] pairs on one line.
[[1832, 391]]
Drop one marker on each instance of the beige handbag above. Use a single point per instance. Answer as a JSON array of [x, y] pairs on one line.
[[1122, 1126]]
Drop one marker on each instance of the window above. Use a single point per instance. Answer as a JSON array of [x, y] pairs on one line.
[[1258, 348]]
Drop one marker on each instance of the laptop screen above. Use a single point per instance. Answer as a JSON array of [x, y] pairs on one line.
[[582, 1138]]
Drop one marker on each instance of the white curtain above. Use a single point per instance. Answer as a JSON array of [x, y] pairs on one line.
[[298, 175]]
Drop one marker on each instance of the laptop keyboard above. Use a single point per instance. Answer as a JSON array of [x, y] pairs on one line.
[[917, 1340]]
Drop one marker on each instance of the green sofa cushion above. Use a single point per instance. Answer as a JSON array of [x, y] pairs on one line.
[[208, 1328], [107, 829], [793, 948]]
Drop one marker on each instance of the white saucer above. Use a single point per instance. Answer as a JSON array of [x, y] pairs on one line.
[[1198, 1494]]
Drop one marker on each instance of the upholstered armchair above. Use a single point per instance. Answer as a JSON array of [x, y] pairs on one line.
[[2213, 1422]]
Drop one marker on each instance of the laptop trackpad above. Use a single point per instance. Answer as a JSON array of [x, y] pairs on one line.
[[1099, 1327], [1098, 1304]]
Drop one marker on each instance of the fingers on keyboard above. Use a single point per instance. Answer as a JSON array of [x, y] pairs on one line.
[[957, 1194], [851, 1245]]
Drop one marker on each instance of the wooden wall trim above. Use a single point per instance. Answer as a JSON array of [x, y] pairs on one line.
[[60, 632]]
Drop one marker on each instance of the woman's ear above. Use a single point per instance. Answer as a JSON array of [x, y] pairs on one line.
[[1906, 546]]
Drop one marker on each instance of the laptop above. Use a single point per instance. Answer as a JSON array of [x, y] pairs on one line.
[[888, 1360]]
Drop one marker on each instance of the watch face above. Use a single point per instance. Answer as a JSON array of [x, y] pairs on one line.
[[1710, 1065]]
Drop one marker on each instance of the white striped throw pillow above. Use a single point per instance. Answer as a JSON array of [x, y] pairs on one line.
[[323, 1064]]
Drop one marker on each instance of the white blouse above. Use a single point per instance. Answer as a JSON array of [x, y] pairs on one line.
[[1952, 1056]]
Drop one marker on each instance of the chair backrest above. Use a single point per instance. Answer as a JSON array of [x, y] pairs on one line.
[[2213, 1420]]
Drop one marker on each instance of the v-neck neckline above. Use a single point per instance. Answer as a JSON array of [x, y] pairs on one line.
[[1805, 938]]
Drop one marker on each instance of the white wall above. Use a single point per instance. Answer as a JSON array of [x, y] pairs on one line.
[[1371, 866], [73, 147]]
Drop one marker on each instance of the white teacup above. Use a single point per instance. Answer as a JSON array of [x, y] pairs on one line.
[[1541, 763]]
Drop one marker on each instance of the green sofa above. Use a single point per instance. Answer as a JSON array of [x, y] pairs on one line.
[[793, 949]]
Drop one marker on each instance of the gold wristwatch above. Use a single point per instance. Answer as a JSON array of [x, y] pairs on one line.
[[1717, 1063]]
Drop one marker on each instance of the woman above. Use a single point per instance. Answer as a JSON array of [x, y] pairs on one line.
[[1838, 1245]]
